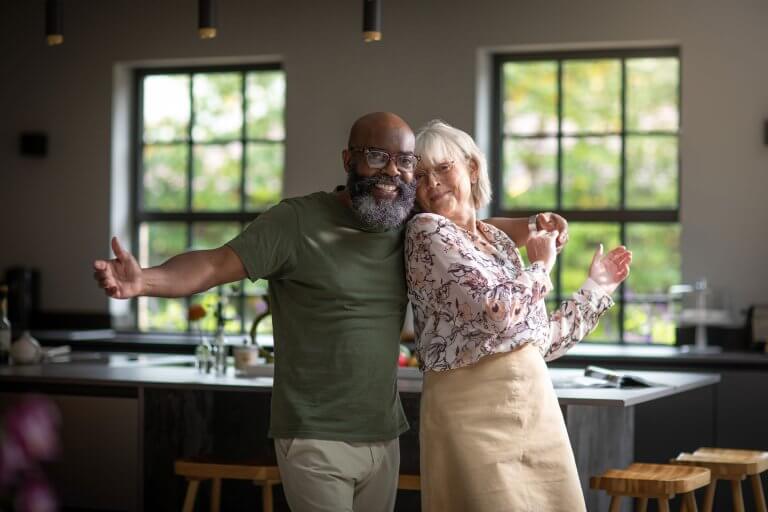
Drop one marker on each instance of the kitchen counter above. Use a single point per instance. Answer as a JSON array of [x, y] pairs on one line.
[[177, 372], [658, 355], [606, 354], [181, 412]]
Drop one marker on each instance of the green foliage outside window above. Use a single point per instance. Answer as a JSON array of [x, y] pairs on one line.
[[211, 157], [596, 136]]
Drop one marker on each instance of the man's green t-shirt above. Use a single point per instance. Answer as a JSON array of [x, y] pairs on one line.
[[338, 298]]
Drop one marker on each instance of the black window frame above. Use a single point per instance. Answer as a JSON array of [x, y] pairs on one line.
[[621, 215], [189, 217]]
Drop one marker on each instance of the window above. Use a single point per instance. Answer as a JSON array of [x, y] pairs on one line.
[[210, 145], [595, 137]]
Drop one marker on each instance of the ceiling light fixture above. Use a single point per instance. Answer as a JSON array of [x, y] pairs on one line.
[[54, 34], [206, 19], [371, 20]]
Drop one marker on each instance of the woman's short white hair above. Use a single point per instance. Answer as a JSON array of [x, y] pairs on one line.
[[438, 141]]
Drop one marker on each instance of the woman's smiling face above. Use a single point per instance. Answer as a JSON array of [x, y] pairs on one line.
[[444, 187]]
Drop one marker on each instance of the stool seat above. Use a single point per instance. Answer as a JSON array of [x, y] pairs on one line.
[[646, 481], [202, 469], [726, 463], [409, 482], [641, 479], [216, 469], [729, 464]]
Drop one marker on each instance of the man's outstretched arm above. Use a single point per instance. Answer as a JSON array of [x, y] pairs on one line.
[[182, 275]]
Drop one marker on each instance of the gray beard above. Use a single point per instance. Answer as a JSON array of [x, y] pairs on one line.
[[380, 215]]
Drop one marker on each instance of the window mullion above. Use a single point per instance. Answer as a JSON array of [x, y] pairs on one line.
[[190, 169], [243, 170], [559, 186], [623, 187]]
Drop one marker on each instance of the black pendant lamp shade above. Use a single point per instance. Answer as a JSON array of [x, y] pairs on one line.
[[371, 20], [206, 19], [54, 33]]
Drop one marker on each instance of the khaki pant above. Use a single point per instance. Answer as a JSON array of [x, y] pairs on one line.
[[337, 476]]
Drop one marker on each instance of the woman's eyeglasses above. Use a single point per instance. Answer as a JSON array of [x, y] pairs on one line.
[[378, 159], [437, 171]]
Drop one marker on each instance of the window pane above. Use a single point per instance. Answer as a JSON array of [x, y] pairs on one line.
[[266, 103], [530, 97], [259, 287], [158, 241], [652, 86], [607, 330], [264, 175], [577, 254], [216, 177], [649, 323], [591, 96], [210, 235], [157, 314], [256, 306], [591, 170], [218, 106], [164, 177], [530, 173], [209, 322], [166, 108], [655, 259], [651, 172]]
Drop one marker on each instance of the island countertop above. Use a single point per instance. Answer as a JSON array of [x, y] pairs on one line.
[[157, 371]]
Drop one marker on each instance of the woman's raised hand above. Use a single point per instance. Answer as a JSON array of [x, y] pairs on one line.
[[609, 270], [541, 247]]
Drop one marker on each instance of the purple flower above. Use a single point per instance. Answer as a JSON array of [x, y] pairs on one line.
[[12, 461], [35, 495], [32, 424]]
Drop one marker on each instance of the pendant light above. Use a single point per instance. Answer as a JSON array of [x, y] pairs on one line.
[[371, 20], [206, 19], [54, 34]]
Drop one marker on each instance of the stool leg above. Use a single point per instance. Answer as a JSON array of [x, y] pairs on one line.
[[738, 499], [757, 490], [615, 503], [689, 502], [643, 505], [266, 496], [216, 495], [189, 499], [709, 495], [663, 504]]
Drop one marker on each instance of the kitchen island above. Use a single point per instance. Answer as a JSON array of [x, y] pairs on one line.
[[127, 417]]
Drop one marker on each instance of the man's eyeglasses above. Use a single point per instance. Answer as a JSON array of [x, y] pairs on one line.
[[378, 159], [438, 171]]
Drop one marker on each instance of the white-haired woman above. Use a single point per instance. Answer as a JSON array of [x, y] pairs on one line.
[[492, 434]]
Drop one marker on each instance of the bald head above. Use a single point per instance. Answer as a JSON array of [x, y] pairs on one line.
[[382, 130]]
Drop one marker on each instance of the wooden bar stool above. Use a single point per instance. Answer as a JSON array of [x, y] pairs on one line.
[[197, 469], [409, 482], [648, 481], [732, 465]]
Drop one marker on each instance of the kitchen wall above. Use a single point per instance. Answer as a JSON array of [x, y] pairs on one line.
[[55, 213]]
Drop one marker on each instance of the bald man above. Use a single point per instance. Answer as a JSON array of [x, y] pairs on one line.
[[334, 261]]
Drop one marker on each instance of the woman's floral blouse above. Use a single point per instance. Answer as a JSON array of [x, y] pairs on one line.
[[472, 297]]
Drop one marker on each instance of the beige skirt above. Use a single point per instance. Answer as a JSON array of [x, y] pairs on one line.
[[493, 438]]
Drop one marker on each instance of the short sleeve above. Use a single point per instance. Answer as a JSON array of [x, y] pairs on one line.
[[268, 246]]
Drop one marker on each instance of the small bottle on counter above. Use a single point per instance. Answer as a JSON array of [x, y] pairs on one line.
[[220, 351], [5, 327], [203, 356], [219, 346]]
